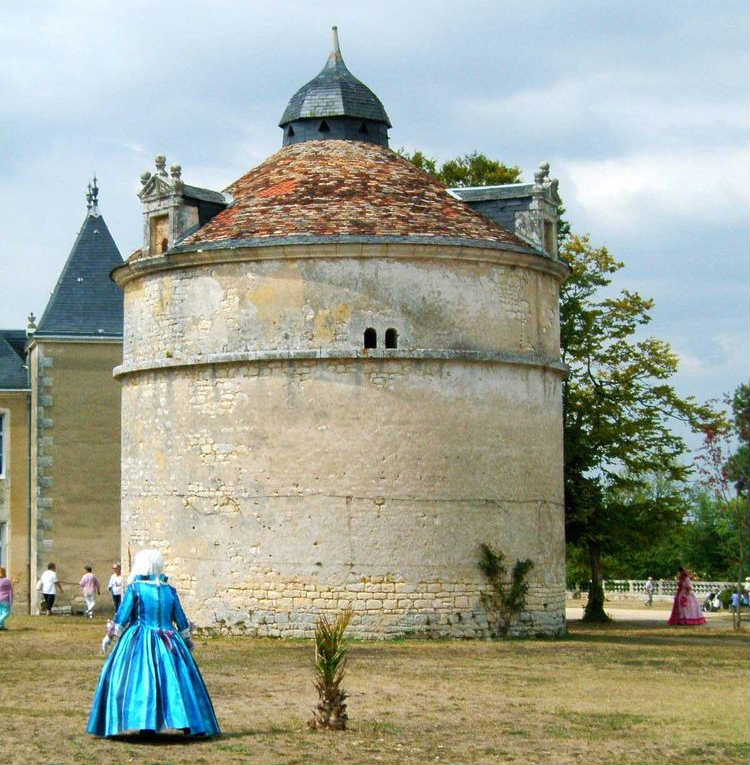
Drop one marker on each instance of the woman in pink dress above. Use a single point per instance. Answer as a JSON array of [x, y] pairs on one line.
[[685, 609], [6, 598]]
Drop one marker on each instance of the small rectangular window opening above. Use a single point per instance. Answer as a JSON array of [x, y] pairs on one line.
[[371, 338], [159, 234], [391, 338]]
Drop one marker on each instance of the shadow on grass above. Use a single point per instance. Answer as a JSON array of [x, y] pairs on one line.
[[176, 738], [163, 739], [648, 633]]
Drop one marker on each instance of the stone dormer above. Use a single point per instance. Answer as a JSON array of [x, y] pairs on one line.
[[529, 210], [172, 209]]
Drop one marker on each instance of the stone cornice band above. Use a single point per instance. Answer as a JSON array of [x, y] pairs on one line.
[[324, 247], [321, 354]]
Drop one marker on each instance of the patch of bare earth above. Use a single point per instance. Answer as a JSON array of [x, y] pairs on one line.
[[620, 693]]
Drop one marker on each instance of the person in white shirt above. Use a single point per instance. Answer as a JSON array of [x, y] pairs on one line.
[[49, 584], [649, 590], [115, 585]]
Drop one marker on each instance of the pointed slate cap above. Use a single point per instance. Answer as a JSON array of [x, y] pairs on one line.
[[336, 94], [85, 301]]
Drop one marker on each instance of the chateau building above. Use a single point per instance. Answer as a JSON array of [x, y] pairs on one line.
[[339, 379], [60, 422]]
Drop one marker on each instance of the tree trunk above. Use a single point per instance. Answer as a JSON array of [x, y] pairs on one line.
[[594, 611]]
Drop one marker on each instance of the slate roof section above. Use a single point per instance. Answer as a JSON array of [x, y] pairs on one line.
[[491, 193], [85, 301], [17, 339], [204, 195], [13, 372], [344, 188], [335, 92]]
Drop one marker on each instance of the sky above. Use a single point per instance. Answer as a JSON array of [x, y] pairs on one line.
[[641, 109]]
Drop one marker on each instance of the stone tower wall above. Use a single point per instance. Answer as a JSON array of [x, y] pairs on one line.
[[285, 471]]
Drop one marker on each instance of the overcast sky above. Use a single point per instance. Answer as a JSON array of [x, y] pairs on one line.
[[640, 107]]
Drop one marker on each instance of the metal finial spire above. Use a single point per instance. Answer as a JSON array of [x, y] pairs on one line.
[[336, 51], [92, 197]]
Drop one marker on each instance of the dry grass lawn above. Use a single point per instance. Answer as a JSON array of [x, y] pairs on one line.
[[622, 693]]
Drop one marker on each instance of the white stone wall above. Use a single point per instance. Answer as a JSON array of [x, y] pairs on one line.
[[284, 487]]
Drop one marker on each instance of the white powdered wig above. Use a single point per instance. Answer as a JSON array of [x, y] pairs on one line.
[[147, 563]]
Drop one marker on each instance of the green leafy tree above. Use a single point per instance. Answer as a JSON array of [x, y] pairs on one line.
[[641, 530], [718, 468], [618, 409], [703, 538], [738, 464], [473, 169], [713, 535]]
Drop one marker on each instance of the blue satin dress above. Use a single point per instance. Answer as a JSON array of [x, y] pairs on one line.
[[151, 681]]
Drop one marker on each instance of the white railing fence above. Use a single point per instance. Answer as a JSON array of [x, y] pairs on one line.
[[637, 587]]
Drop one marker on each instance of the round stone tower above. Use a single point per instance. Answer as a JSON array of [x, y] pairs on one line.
[[337, 388]]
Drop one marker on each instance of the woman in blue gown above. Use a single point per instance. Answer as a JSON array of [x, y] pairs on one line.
[[151, 682]]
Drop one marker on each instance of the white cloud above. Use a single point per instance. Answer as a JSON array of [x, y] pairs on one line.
[[714, 367], [690, 364], [635, 108], [702, 186]]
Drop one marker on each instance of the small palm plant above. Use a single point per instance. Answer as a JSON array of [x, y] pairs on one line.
[[331, 652]]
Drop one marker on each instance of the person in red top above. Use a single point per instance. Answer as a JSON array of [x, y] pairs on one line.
[[685, 609], [90, 588]]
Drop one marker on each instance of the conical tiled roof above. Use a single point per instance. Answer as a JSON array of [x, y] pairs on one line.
[[323, 190], [335, 92], [85, 300]]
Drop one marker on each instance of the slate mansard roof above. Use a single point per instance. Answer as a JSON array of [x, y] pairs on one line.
[[324, 190], [85, 301], [335, 92], [13, 372]]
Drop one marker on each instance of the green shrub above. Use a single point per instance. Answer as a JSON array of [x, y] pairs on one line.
[[503, 602]]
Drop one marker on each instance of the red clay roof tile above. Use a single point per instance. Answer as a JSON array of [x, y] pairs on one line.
[[331, 187]]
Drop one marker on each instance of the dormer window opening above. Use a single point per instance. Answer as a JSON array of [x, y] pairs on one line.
[[371, 338], [391, 338], [159, 234], [324, 127]]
